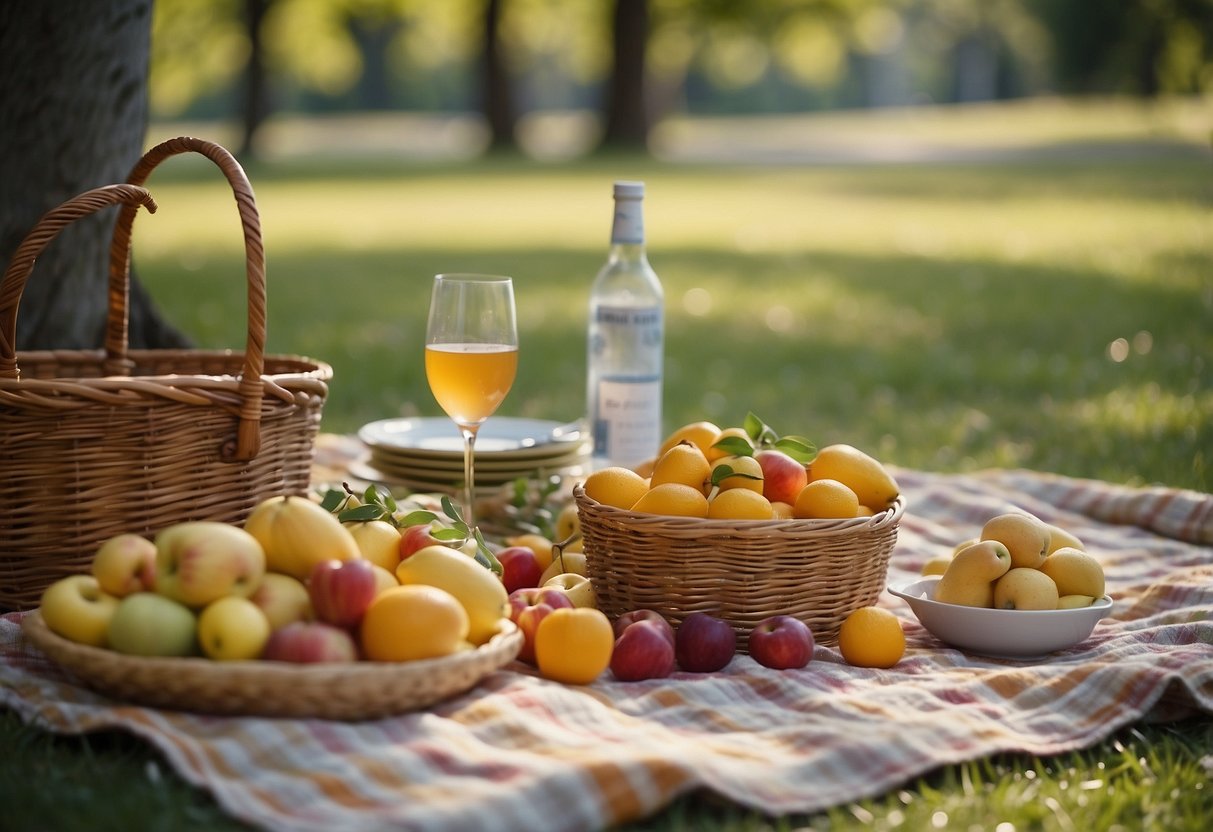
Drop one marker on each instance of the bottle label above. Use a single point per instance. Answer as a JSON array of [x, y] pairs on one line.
[[627, 427]]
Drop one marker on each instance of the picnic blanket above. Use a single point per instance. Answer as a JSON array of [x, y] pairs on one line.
[[520, 752]]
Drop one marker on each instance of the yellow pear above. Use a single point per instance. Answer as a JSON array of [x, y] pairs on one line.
[[863, 474], [297, 534], [572, 562], [936, 566], [1026, 537], [1073, 602], [1075, 572], [479, 591], [1059, 537], [1024, 588], [378, 541], [969, 578]]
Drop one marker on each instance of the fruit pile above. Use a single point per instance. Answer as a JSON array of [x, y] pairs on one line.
[[1019, 562], [747, 472], [294, 584]]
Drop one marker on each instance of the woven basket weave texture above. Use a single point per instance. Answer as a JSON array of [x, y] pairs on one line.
[[99, 442], [819, 571]]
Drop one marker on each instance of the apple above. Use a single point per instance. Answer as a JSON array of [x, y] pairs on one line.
[[77, 608], [124, 564], [148, 624], [577, 587], [520, 567], [781, 642], [200, 561], [417, 537], [233, 629], [341, 590], [1025, 588], [378, 541], [643, 651], [308, 642], [529, 606], [566, 563], [703, 643], [283, 599], [782, 476], [628, 618]]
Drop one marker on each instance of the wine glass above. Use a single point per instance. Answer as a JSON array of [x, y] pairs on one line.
[[471, 356]]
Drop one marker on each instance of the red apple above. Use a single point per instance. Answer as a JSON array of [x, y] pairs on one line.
[[310, 641], [341, 590], [703, 643], [781, 642], [520, 567], [529, 606], [415, 538], [782, 476], [636, 616], [643, 651]]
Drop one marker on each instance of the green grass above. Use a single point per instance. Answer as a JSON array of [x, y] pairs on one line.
[[1051, 309]]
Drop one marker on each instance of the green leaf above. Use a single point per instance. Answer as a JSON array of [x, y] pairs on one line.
[[333, 499], [723, 472], [417, 517], [450, 509], [735, 446], [763, 434], [360, 514], [797, 447], [449, 535], [486, 556]]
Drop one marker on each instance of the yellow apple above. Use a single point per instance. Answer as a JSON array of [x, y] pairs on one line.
[[573, 562], [1026, 538], [200, 561], [969, 578], [78, 609], [378, 541], [283, 599], [578, 588], [1075, 572], [233, 629], [124, 564], [1023, 588]]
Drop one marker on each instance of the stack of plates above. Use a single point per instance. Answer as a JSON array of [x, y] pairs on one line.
[[427, 454]]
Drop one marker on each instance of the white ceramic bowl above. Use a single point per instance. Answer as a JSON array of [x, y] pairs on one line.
[[1014, 634]]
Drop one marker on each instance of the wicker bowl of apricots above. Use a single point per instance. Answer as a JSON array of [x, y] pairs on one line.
[[742, 524]]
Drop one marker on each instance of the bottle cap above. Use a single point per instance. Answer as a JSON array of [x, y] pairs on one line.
[[629, 190]]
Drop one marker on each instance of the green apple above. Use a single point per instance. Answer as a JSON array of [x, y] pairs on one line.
[[147, 624], [233, 629], [202, 561], [78, 609]]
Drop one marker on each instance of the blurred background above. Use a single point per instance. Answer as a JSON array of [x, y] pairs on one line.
[[559, 78]]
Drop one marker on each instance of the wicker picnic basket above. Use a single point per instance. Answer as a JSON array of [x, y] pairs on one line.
[[740, 570], [98, 442]]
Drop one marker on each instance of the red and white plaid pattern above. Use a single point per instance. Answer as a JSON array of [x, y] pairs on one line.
[[519, 752]]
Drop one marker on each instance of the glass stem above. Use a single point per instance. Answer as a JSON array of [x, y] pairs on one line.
[[469, 476]]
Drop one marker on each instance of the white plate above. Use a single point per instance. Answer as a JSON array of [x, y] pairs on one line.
[[1014, 634], [496, 464], [439, 438]]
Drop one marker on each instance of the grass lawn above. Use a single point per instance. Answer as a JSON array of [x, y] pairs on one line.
[[1046, 306]]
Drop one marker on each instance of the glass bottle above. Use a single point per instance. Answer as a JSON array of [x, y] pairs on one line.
[[625, 342]]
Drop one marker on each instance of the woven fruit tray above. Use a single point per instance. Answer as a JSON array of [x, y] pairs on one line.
[[340, 691]]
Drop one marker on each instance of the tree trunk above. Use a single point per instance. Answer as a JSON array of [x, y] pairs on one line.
[[498, 97], [73, 104], [627, 119], [256, 93]]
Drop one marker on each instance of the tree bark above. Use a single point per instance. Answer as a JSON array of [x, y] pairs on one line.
[[256, 104], [73, 105], [627, 118]]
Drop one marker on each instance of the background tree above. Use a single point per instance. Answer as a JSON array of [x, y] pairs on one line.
[[496, 89], [73, 102], [625, 118]]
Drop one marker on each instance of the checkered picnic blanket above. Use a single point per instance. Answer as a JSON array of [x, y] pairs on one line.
[[520, 752]]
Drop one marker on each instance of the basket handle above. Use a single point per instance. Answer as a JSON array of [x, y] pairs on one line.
[[248, 435], [39, 237]]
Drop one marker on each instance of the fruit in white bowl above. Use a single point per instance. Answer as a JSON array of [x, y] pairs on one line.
[[1017, 634]]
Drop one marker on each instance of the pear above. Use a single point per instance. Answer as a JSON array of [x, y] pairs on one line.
[[1025, 536], [1024, 588], [478, 590], [969, 578], [297, 534], [863, 474], [1075, 572]]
